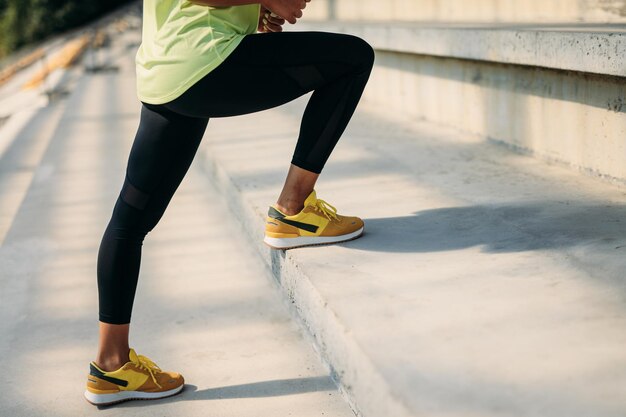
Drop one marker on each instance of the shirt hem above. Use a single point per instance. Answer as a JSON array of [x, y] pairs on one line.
[[187, 84]]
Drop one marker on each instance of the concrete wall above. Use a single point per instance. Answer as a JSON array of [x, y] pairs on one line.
[[576, 118], [471, 10], [553, 98]]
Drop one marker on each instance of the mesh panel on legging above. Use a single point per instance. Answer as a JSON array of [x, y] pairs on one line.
[[163, 149]]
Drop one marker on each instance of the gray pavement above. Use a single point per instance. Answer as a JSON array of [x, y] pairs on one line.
[[487, 283], [205, 306]]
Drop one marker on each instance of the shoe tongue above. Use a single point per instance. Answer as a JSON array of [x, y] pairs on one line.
[[311, 199], [132, 355]]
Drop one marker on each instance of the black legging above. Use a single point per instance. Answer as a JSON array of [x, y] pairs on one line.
[[264, 71]]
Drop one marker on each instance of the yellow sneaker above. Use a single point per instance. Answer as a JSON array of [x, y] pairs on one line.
[[138, 379], [317, 224]]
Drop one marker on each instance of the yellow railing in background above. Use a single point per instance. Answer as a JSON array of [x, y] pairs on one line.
[[8, 72], [62, 59]]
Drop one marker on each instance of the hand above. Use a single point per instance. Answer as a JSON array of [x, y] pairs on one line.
[[290, 10], [270, 22]]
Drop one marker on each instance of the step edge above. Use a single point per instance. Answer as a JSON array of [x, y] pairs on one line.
[[364, 388]]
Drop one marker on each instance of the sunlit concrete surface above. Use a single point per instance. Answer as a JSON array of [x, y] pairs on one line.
[[487, 283], [206, 306]]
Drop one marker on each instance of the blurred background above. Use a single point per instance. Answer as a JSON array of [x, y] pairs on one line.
[[23, 22]]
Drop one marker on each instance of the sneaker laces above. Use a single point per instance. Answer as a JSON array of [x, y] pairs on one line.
[[326, 209], [146, 363]]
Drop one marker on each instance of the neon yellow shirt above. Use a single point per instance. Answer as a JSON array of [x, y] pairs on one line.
[[182, 42]]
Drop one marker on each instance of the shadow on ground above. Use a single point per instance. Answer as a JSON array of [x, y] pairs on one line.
[[276, 388], [508, 228]]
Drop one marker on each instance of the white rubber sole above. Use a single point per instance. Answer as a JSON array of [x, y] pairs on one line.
[[298, 242], [107, 399]]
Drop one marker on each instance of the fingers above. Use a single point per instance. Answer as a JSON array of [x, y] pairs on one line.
[[272, 22], [274, 19], [270, 27], [290, 10]]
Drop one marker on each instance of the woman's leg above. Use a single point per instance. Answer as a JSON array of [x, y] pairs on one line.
[[163, 149], [267, 70], [113, 346]]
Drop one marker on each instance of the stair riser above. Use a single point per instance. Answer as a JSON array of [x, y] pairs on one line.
[[574, 118]]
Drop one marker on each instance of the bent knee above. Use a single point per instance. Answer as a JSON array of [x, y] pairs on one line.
[[363, 52]]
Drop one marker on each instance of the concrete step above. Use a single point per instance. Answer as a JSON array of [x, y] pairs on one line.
[[205, 306], [487, 283], [555, 91], [26, 137]]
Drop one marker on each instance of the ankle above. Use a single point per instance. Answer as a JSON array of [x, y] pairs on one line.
[[111, 362], [291, 202], [110, 365], [290, 207]]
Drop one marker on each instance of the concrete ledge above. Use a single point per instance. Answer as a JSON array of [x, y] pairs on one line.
[[599, 49], [570, 11]]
